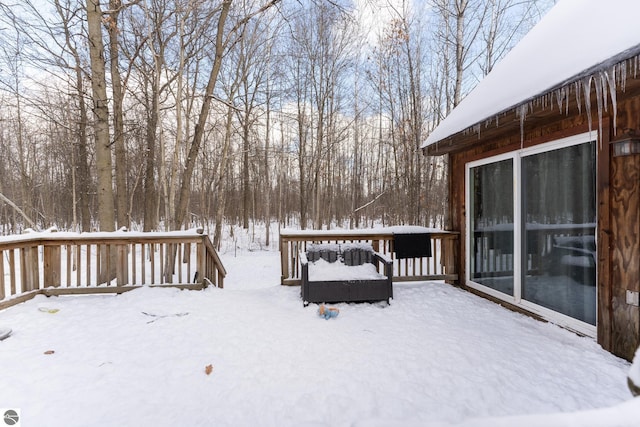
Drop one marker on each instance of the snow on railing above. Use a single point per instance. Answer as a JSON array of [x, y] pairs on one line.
[[56, 263]]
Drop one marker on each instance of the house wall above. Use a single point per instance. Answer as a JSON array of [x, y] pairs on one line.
[[618, 184], [624, 242]]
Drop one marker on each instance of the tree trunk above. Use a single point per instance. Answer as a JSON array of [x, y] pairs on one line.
[[149, 182], [246, 193], [457, 94], [267, 179], [118, 118], [222, 170], [81, 160], [302, 167], [101, 111], [106, 215], [196, 142], [171, 185]]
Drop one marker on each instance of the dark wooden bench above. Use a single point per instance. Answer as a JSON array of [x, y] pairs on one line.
[[345, 273]]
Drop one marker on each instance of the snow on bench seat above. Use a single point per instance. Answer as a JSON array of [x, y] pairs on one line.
[[323, 270], [346, 273]]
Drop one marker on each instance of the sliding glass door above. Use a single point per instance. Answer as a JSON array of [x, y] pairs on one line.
[[492, 225], [531, 221], [559, 239]]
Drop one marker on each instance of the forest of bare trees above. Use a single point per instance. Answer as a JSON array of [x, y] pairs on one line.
[[164, 114]]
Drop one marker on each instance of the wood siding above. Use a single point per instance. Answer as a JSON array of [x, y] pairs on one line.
[[618, 187], [623, 336]]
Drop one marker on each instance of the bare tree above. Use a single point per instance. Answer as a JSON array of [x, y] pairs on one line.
[[321, 55], [506, 22], [221, 42], [81, 159], [101, 112], [13, 61], [251, 68], [221, 111], [113, 29]]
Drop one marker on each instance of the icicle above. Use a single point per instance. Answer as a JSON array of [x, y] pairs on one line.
[[614, 100], [578, 86], [622, 76], [599, 103], [559, 99], [562, 99], [476, 129], [522, 112], [586, 88], [604, 80]]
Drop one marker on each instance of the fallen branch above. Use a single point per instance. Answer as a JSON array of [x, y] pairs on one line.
[[369, 203], [20, 211], [162, 316]]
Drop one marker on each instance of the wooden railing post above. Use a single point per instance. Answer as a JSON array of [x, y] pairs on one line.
[[2, 291], [122, 265], [12, 272], [30, 273], [220, 278], [51, 255], [284, 259], [201, 260]]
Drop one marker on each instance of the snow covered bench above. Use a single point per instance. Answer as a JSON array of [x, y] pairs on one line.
[[345, 273]]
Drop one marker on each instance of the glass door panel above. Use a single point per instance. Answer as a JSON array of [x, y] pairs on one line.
[[491, 223], [558, 244]]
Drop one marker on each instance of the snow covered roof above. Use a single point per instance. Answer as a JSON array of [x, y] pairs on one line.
[[574, 37]]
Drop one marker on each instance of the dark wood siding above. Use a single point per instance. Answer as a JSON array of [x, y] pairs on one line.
[[618, 186], [622, 334]]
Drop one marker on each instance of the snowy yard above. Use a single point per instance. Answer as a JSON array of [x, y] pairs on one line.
[[437, 356]]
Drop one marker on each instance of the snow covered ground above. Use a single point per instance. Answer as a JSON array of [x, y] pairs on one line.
[[437, 356]]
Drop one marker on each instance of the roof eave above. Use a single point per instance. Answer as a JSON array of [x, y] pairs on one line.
[[448, 144]]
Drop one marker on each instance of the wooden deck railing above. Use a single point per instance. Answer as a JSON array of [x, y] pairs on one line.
[[441, 266], [56, 263]]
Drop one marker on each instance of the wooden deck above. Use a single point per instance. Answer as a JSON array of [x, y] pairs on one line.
[[441, 266], [52, 263]]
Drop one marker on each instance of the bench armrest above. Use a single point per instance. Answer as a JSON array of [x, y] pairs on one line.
[[303, 258], [304, 276], [383, 258], [387, 262]]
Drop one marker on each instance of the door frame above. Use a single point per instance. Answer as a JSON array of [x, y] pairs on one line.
[[516, 299]]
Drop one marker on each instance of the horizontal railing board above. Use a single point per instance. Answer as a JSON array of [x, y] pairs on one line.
[[441, 266], [55, 263]]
